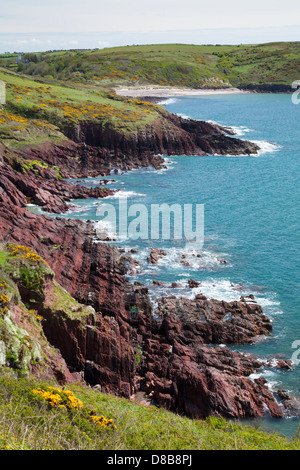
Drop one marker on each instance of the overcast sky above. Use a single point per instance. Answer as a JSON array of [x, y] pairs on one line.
[[36, 25]]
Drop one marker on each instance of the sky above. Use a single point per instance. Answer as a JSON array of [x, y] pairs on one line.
[[34, 25]]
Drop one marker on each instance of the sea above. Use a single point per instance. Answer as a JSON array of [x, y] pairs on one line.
[[251, 223]]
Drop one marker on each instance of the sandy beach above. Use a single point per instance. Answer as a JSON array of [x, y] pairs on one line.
[[169, 91]]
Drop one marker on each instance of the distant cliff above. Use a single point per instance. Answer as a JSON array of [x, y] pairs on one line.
[[268, 88]]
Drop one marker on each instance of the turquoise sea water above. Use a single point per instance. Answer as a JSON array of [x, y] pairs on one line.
[[251, 214]]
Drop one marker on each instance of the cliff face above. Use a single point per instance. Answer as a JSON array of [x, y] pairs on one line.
[[80, 160], [97, 151], [122, 346], [268, 88], [169, 135], [52, 194]]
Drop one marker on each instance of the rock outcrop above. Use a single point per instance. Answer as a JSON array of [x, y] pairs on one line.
[[171, 135], [185, 369], [213, 321], [124, 347], [173, 356], [52, 195]]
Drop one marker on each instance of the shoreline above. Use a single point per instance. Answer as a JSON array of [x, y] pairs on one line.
[[153, 91], [73, 250]]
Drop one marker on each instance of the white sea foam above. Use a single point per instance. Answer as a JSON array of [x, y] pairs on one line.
[[168, 165], [83, 210], [184, 116], [180, 263], [265, 147], [124, 195], [219, 290], [270, 375], [167, 101], [240, 130], [168, 161], [104, 229], [98, 182], [225, 289], [215, 123], [269, 302], [34, 209], [214, 289], [192, 260]]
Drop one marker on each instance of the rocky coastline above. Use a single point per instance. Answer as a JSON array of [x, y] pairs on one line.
[[176, 355]]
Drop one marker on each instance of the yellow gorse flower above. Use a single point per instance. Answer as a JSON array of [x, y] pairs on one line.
[[63, 398], [103, 422], [24, 252], [52, 398], [55, 397], [3, 299]]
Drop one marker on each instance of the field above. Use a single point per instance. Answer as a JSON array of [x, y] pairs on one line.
[[192, 66], [50, 93]]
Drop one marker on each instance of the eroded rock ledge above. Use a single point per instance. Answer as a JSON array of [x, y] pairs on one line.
[[170, 135]]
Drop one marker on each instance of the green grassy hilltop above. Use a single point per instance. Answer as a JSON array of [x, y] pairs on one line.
[[65, 106], [193, 66], [49, 93], [40, 111]]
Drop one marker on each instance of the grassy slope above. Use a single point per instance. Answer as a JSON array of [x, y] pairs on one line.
[[27, 422], [169, 64], [39, 111]]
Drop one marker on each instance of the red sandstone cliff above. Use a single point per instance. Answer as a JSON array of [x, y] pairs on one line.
[[122, 347]]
